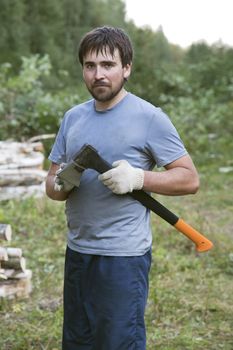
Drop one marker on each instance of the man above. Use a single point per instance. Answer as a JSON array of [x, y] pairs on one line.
[[109, 238]]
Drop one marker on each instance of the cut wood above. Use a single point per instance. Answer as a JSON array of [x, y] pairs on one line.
[[3, 254], [20, 147], [19, 192], [15, 274], [14, 252], [5, 230], [18, 264], [2, 275], [15, 161], [21, 169], [21, 176], [18, 288], [37, 138], [15, 155]]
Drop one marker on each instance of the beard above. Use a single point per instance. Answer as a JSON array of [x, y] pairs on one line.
[[103, 92]]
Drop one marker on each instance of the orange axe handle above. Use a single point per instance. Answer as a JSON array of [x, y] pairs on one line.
[[202, 243]]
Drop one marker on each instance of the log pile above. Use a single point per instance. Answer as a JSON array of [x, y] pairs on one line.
[[15, 279], [21, 169]]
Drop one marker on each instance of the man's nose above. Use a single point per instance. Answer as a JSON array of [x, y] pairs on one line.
[[99, 73]]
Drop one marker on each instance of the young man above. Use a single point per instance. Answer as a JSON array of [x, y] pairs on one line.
[[109, 238]]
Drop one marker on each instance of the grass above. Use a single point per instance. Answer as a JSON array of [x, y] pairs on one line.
[[190, 302]]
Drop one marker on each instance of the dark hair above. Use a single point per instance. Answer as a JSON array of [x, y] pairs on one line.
[[102, 38]]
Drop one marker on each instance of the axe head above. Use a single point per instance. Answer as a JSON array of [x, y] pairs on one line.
[[86, 158], [89, 158]]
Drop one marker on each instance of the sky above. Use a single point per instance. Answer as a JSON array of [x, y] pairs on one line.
[[185, 21]]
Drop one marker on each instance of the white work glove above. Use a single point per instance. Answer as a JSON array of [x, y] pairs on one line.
[[62, 184], [123, 178]]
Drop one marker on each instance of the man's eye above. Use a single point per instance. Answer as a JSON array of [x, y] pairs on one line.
[[108, 65], [89, 66]]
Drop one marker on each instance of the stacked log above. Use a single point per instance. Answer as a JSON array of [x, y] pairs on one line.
[[15, 279], [5, 232], [21, 169]]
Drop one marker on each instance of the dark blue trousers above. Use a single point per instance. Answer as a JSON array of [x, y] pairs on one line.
[[104, 302]]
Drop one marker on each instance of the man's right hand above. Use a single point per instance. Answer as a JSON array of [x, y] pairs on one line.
[[61, 179], [66, 178], [61, 184]]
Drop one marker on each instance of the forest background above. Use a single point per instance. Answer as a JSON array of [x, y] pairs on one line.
[[40, 78]]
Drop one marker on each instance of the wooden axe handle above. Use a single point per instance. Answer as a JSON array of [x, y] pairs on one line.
[[88, 157]]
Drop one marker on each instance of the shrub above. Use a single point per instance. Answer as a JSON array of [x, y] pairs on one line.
[[26, 107]]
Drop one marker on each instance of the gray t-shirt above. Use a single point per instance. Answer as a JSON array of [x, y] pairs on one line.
[[99, 221]]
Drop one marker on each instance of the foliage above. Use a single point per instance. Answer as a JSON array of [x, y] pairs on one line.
[[154, 58], [14, 31], [52, 27], [198, 96], [205, 127], [26, 108], [190, 299], [194, 86], [190, 295]]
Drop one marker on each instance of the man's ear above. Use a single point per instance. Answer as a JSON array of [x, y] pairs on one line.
[[127, 71]]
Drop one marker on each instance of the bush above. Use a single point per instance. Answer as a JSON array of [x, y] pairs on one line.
[[26, 107]]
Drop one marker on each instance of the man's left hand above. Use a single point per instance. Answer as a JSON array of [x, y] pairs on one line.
[[123, 178]]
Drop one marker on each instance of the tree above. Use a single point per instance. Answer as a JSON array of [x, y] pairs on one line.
[[14, 31]]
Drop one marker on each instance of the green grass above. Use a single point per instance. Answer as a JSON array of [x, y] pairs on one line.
[[190, 302]]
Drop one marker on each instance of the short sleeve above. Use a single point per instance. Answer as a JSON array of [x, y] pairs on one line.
[[58, 152], [163, 141]]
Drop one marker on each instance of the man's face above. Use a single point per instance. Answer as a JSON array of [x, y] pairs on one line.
[[104, 76]]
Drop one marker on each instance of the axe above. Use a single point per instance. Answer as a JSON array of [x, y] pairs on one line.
[[89, 158]]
